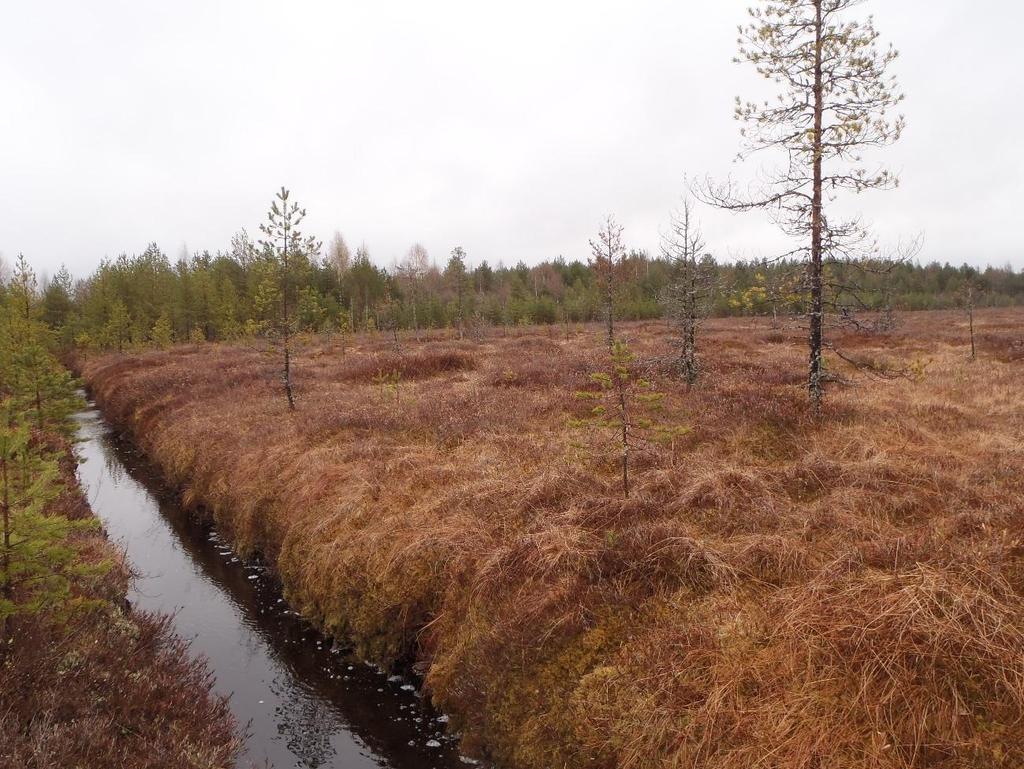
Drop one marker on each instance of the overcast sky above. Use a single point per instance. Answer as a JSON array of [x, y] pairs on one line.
[[507, 128]]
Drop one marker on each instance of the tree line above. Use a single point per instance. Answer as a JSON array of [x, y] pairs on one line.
[[148, 299]]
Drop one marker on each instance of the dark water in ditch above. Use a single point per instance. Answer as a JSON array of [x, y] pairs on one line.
[[305, 705]]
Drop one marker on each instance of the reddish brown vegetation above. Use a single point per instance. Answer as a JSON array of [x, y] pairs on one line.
[[418, 364], [776, 593], [105, 687]]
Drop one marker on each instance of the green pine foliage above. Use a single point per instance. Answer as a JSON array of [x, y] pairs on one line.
[[241, 291], [627, 411], [227, 298], [38, 561], [162, 333]]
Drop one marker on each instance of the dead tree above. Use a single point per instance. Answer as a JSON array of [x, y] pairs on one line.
[[606, 260], [886, 322], [968, 300], [835, 103], [687, 299]]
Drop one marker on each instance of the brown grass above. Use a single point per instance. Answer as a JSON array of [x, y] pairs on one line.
[[776, 593]]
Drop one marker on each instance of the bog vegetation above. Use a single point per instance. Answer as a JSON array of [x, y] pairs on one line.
[[846, 591]]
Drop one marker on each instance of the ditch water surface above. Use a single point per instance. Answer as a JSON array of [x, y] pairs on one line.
[[305, 704]]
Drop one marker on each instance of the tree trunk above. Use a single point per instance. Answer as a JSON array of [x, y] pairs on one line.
[[609, 310], [624, 415], [5, 504], [39, 397], [460, 310], [288, 375], [814, 382], [691, 329], [970, 316], [286, 326]]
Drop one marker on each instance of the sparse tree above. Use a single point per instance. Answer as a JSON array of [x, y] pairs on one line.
[[835, 103], [968, 300], [288, 252], [625, 405], [23, 288], [687, 299], [606, 260], [388, 320], [457, 277]]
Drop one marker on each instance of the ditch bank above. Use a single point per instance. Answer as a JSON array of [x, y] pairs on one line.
[[302, 702]]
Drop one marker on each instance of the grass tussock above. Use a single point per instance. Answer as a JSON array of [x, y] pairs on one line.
[[775, 593], [418, 364]]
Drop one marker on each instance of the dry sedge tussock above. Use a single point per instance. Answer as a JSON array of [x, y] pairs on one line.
[[775, 593]]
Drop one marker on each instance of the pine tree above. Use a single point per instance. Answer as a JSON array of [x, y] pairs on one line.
[[626, 406], [34, 380], [835, 103], [162, 334], [36, 559], [57, 301], [456, 276], [118, 327], [288, 253]]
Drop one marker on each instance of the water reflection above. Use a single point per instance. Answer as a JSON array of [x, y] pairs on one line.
[[305, 706]]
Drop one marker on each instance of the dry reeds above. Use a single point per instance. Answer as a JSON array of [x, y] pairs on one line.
[[777, 593]]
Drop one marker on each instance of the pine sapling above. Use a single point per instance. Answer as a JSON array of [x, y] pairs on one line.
[[625, 407]]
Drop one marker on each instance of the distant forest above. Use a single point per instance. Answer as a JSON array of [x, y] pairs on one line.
[[147, 298]]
